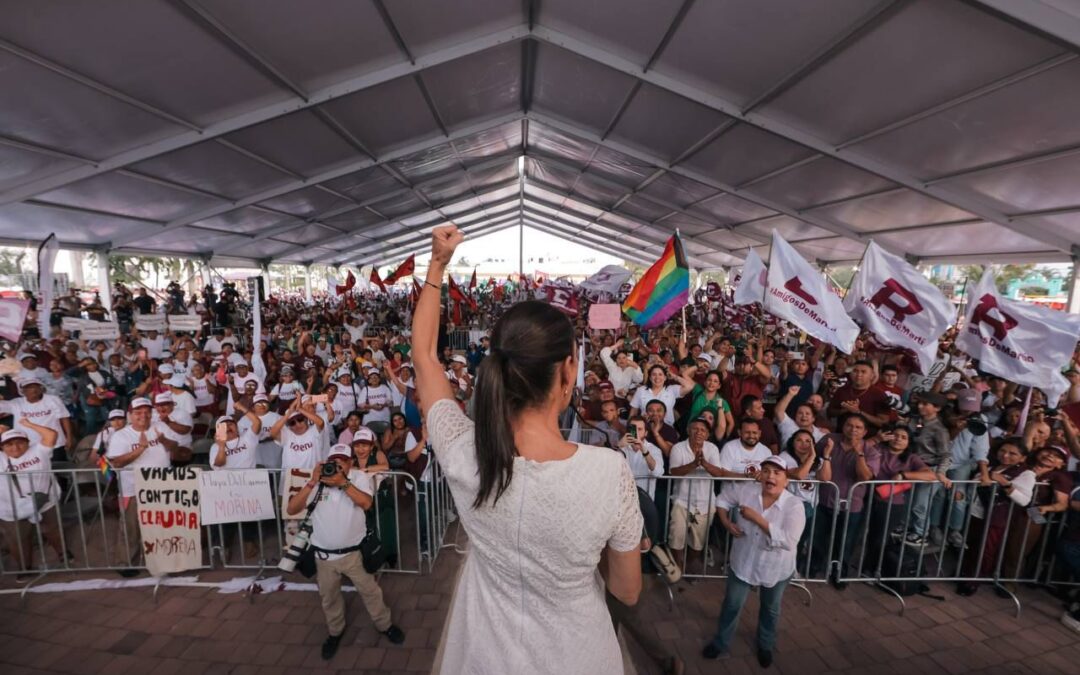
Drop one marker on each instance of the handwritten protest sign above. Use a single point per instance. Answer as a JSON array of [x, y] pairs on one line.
[[235, 496], [168, 506], [188, 322], [294, 482], [150, 322], [605, 317]]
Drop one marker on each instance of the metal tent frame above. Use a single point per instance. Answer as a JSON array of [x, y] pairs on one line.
[[273, 131]]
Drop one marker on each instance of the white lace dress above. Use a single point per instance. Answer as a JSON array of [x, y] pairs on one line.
[[530, 599]]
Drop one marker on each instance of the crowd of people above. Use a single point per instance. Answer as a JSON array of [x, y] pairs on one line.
[[969, 462]]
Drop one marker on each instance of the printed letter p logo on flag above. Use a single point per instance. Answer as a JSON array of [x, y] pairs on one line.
[[889, 294], [988, 303]]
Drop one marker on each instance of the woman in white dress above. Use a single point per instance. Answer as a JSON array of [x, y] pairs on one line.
[[549, 521]]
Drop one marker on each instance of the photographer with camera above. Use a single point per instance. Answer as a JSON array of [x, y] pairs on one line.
[[338, 525]]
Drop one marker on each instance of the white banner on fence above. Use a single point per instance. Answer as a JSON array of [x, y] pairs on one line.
[[168, 503], [191, 322], [235, 496], [150, 322], [99, 330]]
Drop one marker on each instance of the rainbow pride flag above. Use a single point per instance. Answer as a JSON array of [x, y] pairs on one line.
[[105, 468], [663, 290]]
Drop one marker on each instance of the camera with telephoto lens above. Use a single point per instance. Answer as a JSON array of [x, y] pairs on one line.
[[296, 549], [329, 470]]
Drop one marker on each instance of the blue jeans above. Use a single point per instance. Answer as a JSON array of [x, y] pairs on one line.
[[957, 510], [768, 616], [1069, 553], [923, 494]]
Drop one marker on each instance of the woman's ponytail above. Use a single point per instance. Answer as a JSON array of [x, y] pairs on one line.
[[528, 343]]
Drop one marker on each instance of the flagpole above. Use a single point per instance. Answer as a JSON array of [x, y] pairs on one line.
[[858, 266], [765, 294], [960, 304], [679, 238]]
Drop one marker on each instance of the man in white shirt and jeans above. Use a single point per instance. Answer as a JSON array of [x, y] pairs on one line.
[[770, 522], [338, 526], [692, 512]]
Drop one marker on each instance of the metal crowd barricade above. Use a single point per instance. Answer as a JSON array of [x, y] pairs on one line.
[[1062, 570], [1004, 548], [884, 555], [712, 561], [458, 339], [83, 530]]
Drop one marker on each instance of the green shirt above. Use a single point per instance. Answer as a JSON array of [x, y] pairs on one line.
[[700, 403]]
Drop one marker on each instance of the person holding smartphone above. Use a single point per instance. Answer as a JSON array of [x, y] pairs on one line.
[[645, 459], [233, 448]]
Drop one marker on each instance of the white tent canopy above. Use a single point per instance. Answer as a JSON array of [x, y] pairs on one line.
[[342, 131]]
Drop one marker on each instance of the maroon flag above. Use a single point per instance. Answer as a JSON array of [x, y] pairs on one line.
[[376, 280], [472, 282], [562, 299], [350, 281], [404, 269]]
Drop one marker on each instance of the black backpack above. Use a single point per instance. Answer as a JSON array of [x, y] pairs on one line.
[[903, 561]]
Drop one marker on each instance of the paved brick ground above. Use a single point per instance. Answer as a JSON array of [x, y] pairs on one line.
[[197, 630]]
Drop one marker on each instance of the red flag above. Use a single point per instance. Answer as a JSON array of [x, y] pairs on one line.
[[455, 290], [376, 280], [472, 282], [415, 296], [458, 295], [404, 269], [350, 281]]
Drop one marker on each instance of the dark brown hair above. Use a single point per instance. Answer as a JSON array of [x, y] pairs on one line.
[[528, 343]]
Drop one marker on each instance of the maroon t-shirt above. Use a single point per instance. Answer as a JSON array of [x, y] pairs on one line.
[[735, 387], [871, 401]]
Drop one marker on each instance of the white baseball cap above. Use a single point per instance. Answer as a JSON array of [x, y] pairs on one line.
[[363, 435], [13, 434], [117, 414], [23, 382], [140, 402], [164, 397]]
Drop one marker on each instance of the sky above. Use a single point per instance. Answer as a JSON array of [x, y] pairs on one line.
[[498, 254]]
